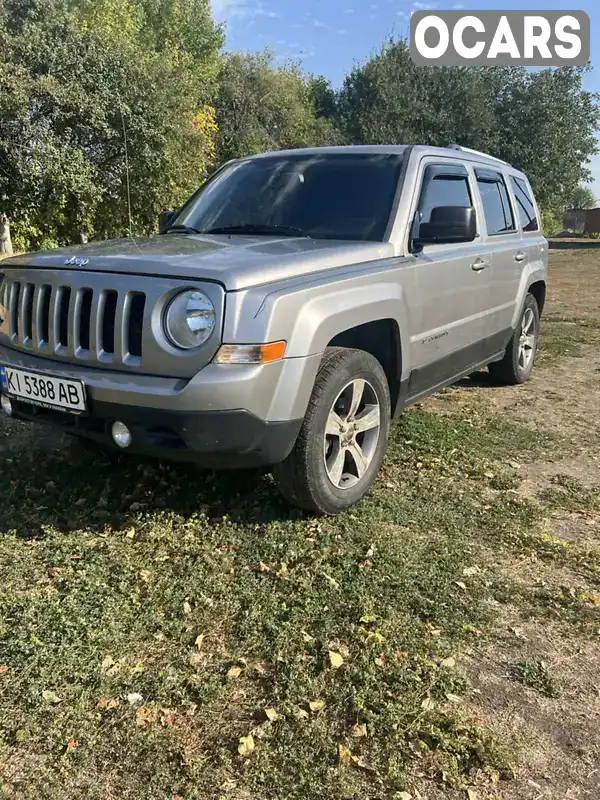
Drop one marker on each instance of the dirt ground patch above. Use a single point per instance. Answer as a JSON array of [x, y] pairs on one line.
[[560, 736]]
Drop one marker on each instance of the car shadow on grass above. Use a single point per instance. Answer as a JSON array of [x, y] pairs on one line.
[[64, 484]]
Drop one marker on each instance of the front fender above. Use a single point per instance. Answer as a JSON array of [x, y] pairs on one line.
[[310, 312]]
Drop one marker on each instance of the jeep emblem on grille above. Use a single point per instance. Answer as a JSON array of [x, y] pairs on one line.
[[76, 262]]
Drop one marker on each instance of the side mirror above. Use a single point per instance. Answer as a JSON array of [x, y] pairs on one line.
[[448, 225], [165, 219]]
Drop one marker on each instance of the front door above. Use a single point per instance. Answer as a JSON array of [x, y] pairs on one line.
[[452, 286]]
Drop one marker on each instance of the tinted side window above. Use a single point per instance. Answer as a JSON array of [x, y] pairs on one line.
[[496, 205], [444, 190], [525, 207]]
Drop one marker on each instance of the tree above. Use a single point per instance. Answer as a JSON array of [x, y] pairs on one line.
[[79, 80], [582, 198], [262, 107], [543, 122]]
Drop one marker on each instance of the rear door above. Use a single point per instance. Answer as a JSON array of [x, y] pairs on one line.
[[452, 283], [534, 246], [506, 253]]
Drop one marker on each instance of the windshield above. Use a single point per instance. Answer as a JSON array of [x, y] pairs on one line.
[[324, 196]]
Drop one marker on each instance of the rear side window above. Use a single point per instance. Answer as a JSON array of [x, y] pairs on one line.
[[444, 190], [525, 206], [496, 204]]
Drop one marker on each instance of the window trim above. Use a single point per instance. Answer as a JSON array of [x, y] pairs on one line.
[[520, 179], [431, 171], [492, 176]]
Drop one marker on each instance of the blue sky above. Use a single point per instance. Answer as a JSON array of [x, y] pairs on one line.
[[330, 36]]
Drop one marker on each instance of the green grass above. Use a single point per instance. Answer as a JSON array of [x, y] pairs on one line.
[[154, 617], [535, 675], [566, 337]]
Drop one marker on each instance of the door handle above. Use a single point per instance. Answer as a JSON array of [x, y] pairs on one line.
[[480, 264], [520, 257]]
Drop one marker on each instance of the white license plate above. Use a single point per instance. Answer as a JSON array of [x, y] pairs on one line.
[[43, 390]]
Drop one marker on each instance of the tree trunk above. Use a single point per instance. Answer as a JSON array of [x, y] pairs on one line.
[[5, 242]]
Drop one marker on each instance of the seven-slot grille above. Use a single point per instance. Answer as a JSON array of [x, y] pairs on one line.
[[98, 324]]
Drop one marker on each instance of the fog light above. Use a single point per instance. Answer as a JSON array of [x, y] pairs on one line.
[[121, 434], [7, 406]]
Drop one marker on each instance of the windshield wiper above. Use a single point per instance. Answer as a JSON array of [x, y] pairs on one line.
[[182, 229], [261, 230]]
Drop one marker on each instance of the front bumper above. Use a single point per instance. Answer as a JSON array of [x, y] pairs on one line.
[[225, 416], [214, 439]]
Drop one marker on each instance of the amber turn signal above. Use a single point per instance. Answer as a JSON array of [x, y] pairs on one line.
[[250, 353]]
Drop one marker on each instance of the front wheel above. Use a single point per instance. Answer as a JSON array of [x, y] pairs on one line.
[[517, 364], [343, 438]]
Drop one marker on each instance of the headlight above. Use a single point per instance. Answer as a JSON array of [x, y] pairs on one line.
[[189, 319]]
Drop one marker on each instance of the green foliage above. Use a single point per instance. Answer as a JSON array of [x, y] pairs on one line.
[[78, 78], [543, 122], [535, 675], [266, 107], [551, 224], [582, 197]]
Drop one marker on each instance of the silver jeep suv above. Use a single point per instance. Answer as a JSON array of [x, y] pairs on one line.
[[295, 304]]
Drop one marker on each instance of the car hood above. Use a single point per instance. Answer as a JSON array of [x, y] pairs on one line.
[[237, 262]]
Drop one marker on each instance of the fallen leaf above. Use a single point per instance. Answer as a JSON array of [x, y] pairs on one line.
[[130, 533], [187, 609], [50, 696], [358, 731], [454, 698], [3, 669], [344, 754], [198, 641], [316, 705], [331, 581], [71, 744], [135, 699], [246, 745], [271, 714], [461, 584], [468, 572], [234, 672], [379, 662], [107, 663], [472, 794], [404, 796], [428, 704], [105, 702], [146, 575], [335, 659], [307, 637], [167, 717], [448, 663], [144, 716]]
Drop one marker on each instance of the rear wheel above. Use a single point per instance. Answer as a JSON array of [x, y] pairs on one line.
[[344, 435], [517, 364]]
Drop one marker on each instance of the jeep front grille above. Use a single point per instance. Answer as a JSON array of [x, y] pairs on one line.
[[88, 323]]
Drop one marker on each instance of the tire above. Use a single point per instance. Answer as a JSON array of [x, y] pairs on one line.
[[311, 477], [515, 367]]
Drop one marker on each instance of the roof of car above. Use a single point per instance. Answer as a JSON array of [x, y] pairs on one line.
[[455, 151]]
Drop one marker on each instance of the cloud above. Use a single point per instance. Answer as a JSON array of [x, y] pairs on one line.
[[374, 6], [262, 12], [348, 11], [423, 6], [227, 9], [403, 14], [318, 24], [342, 31], [458, 5], [241, 9]]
